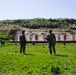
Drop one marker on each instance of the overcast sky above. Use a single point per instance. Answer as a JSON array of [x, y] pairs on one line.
[[28, 9]]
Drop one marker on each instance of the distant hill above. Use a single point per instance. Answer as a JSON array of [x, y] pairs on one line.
[[40, 23]]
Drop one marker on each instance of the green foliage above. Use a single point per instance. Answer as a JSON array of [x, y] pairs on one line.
[[37, 60], [3, 35], [42, 22], [55, 70]]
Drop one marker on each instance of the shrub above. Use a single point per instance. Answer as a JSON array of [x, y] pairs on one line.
[[55, 70]]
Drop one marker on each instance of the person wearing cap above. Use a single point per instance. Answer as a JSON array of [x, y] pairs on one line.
[[51, 40], [22, 42]]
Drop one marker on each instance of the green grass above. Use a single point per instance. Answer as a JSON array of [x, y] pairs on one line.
[[37, 60]]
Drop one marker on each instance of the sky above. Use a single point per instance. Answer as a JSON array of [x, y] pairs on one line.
[[29, 9]]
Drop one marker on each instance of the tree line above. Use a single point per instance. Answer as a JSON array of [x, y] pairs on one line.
[[41, 23]]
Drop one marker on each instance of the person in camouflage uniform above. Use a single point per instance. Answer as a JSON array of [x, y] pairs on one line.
[[51, 40], [22, 42]]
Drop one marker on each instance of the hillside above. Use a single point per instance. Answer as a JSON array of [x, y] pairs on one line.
[[41, 23], [37, 25]]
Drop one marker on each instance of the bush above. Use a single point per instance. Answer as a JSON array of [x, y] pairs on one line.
[[68, 30], [2, 42], [55, 70]]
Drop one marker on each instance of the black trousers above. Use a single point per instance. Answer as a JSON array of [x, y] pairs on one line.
[[22, 48], [52, 48]]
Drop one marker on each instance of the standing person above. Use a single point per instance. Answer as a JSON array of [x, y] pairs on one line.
[[51, 40], [22, 42]]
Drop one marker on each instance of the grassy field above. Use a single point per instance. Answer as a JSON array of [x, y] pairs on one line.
[[37, 60]]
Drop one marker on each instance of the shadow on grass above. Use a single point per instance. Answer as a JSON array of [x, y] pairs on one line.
[[29, 54], [61, 55]]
